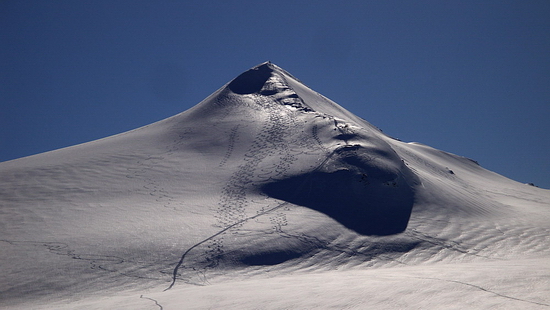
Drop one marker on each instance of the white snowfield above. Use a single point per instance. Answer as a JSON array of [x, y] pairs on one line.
[[267, 195]]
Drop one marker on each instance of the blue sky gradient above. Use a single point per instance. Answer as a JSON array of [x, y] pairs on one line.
[[467, 77]]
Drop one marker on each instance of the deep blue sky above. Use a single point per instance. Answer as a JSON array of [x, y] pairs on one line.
[[467, 77]]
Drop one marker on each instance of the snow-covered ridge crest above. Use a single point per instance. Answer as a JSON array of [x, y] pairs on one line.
[[268, 80]]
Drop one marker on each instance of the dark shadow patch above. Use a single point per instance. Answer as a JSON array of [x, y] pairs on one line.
[[269, 258], [377, 248], [251, 81], [345, 136], [367, 205]]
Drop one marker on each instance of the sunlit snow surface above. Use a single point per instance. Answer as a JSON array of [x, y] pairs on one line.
[[267, 195]]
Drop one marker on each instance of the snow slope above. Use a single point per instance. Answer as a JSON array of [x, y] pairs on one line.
[[267, 195]]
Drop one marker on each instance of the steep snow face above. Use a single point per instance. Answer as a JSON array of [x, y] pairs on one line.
[[263, 177], [361, 182]]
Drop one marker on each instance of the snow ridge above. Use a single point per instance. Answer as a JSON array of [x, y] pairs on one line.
[[268, 80]]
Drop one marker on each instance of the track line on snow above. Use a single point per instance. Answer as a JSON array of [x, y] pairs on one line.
[[270, 141], [108, 263], [486, 290], [180, 263], [151, 299], [443, 243], [63, 249], [231, 145]]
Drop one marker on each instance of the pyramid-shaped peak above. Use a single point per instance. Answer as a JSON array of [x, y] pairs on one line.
[[269, 80], [276, 84], [252, 80]]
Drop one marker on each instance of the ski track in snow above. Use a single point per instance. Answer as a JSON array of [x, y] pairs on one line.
[[153, 300], [232, 208], [210, 238], [231, 145], [485, 290], [272, 140], [60, 248]]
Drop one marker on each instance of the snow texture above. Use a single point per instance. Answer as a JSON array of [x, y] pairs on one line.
[[267, 195]]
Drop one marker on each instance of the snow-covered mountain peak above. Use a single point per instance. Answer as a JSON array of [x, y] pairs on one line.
[[264, 178], [267, 79], [252, 80]]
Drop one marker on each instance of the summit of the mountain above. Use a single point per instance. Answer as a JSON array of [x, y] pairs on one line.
[[252, 80], [267, 79]]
